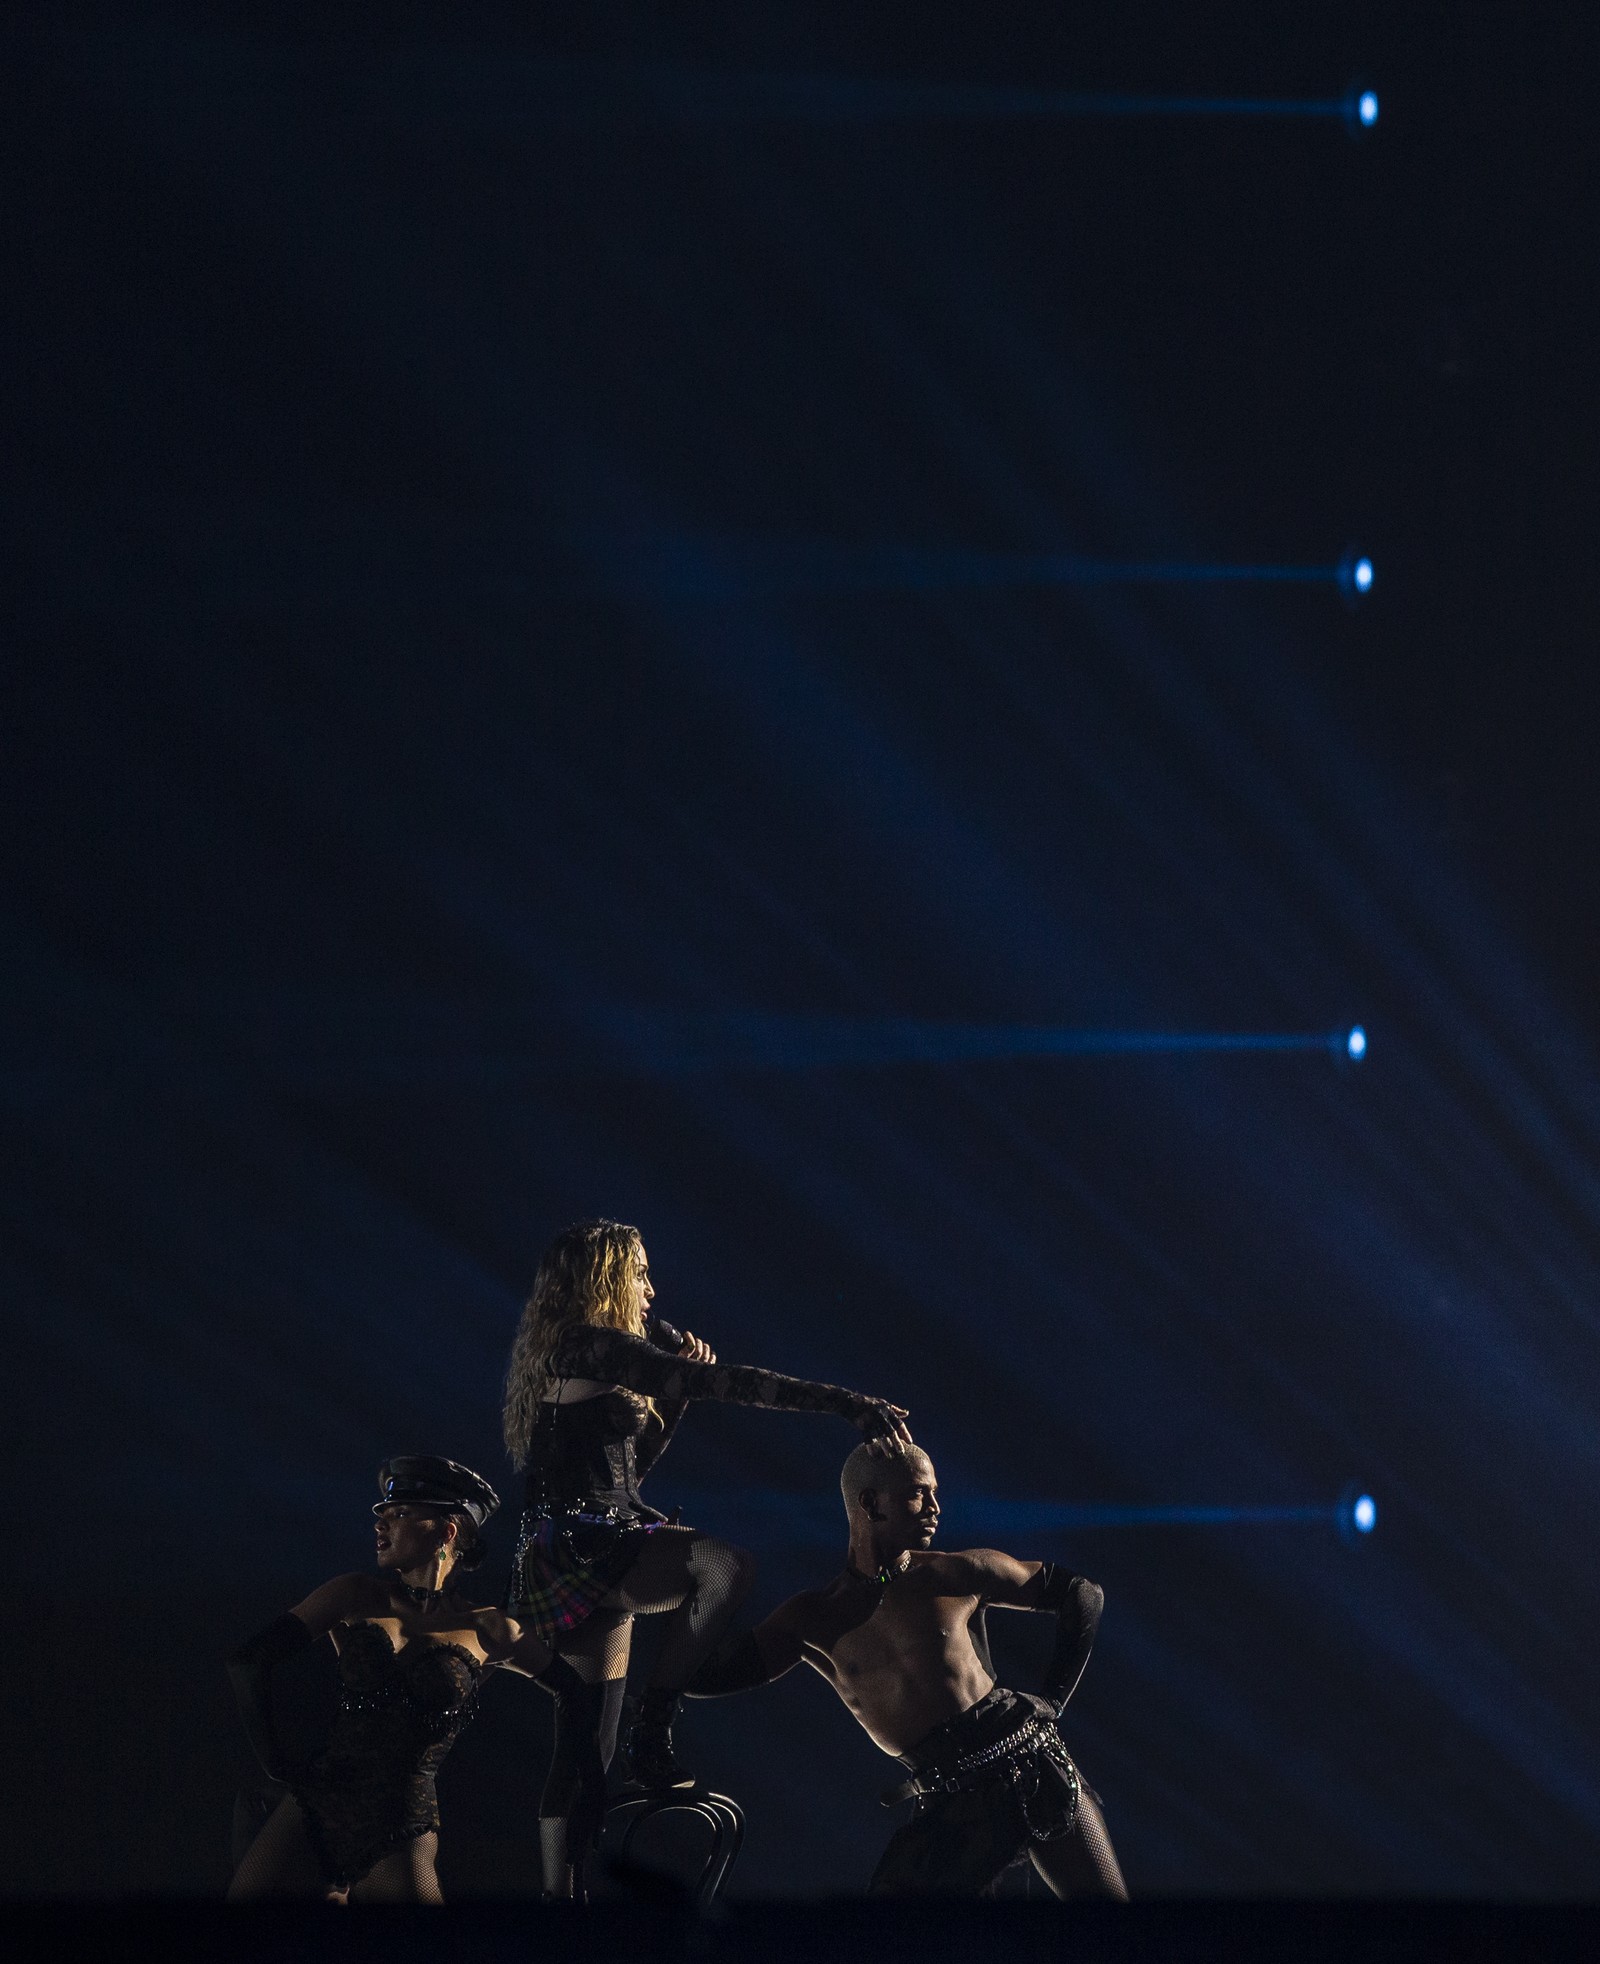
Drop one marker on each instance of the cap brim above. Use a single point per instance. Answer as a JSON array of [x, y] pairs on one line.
[[433, 1500]]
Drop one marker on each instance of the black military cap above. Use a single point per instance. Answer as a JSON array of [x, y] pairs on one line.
[[421, 1480]]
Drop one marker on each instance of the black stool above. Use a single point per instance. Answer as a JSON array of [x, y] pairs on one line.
[[724, 1817]]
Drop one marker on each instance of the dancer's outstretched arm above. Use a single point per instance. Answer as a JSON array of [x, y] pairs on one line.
[[745, 1660], [507, 1646], [252, 1665], [614, 1357]]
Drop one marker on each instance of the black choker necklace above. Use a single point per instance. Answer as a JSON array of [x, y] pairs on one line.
[[883, 1575], [421, 1597]]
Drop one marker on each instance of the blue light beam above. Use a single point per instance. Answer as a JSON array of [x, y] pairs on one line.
[[1042, 1516], [716, 570], [674, 1045], [809, 1520], [561, 90]]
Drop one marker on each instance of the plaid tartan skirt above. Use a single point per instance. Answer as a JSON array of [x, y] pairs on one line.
[[566, 1565]]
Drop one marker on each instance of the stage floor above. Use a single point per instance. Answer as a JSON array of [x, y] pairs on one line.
[[823, 1933]]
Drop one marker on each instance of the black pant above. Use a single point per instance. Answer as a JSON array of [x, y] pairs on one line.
[[954, 1845], [959, 1844]]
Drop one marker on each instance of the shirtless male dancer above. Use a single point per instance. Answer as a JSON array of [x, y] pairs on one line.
[[900, 1635]]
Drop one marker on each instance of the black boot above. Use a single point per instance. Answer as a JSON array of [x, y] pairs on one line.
[[572, 1806], [647, 1751]]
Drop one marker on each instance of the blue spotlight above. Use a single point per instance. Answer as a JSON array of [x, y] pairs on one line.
[[1367, 108], [1364, 1514], [1355, 1045], [1355, 576]]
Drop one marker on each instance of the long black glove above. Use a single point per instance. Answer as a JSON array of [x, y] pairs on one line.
[[591, 1350], [250, 1668], [735, 1665], [1077, 1603]]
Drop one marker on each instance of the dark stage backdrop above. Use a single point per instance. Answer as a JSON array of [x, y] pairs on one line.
[[543, 682]]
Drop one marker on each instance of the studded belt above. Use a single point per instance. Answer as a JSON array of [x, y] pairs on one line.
[[1014, 1759]]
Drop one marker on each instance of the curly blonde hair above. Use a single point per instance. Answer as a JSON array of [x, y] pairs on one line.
[[587, 1275]]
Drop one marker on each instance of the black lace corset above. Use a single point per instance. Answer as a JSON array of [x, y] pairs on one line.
[[400, 1711], [584, 1456]]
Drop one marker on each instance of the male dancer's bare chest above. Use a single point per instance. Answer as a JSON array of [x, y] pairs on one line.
[[910, 1633]]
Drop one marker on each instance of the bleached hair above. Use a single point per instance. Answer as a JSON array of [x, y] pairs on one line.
[[902, 1466]]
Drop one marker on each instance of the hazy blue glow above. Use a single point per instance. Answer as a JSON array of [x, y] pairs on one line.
[[1362, 575], [1364, 1515], [1367, 108], [1356, 1042]]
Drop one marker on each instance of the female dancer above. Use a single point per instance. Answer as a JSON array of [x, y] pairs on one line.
[[593, 1393], [360, 1821]]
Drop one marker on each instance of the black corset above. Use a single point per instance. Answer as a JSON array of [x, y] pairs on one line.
[[583, 1457], [372, 1785]]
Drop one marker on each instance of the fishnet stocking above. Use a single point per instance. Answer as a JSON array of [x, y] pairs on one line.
[[701, 1582], [598, 1649], [1085, 1863], [280, 1861], [405, 1875]]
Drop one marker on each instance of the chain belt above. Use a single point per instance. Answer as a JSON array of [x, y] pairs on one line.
[[1008, 1759], [610, 1515]]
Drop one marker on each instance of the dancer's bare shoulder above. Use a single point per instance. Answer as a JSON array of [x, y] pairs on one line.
[[986, 1572], [344, 1597]]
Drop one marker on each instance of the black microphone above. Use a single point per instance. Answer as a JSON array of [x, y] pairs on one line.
[[660, 1332]]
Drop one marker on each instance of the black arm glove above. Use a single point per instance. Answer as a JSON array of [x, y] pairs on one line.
[[250, 1668], [735, 1665], [614, 1357], [1077, 1603], [659, 1332]]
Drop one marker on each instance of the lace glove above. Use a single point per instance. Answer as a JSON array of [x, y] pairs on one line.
[[614, 1357], [251, 1668]]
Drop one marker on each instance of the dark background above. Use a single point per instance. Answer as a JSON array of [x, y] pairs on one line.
[[424, 828]]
